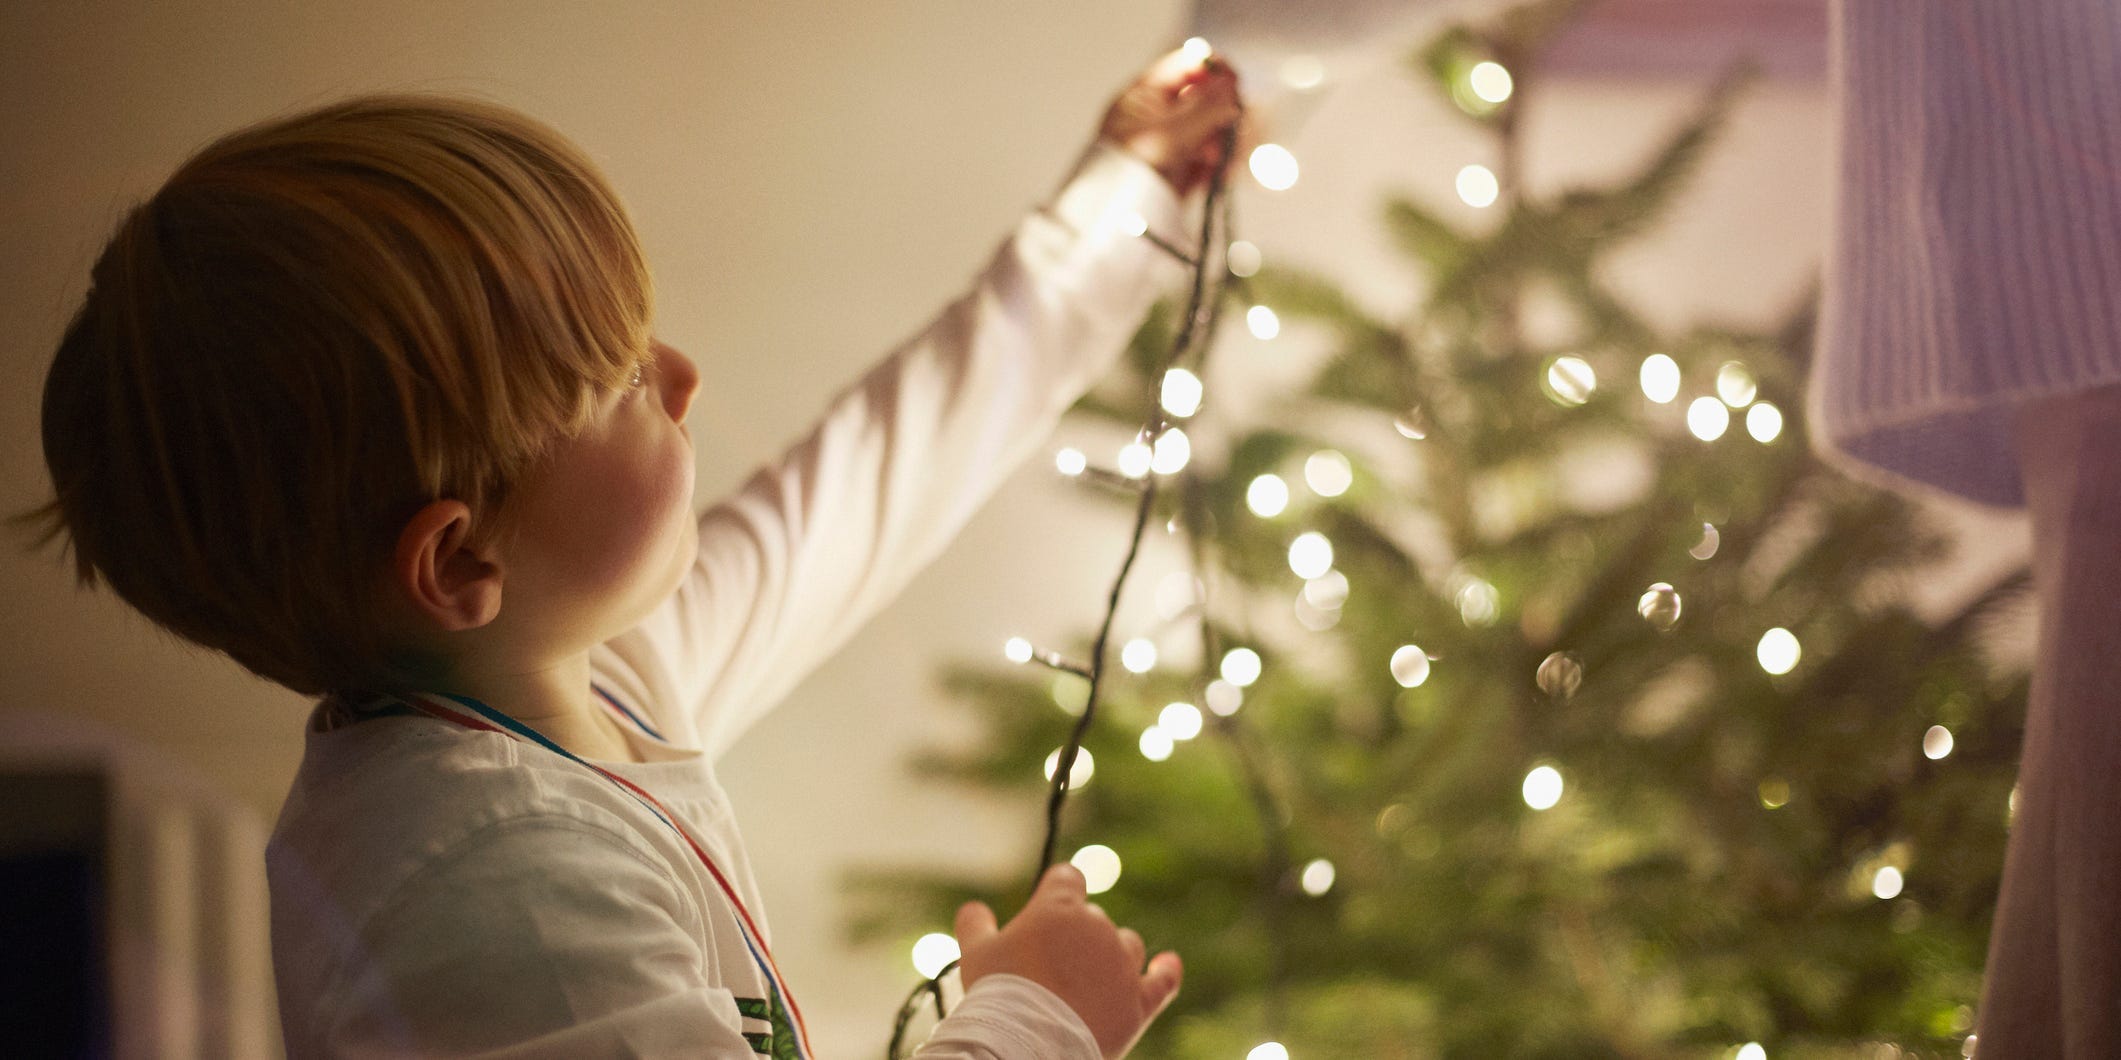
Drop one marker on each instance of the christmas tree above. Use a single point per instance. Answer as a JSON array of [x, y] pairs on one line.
[[1526, 697]]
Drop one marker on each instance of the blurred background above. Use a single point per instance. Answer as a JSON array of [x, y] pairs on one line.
[[813, 180]]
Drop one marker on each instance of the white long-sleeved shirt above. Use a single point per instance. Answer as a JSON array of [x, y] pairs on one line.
[[437, 889]]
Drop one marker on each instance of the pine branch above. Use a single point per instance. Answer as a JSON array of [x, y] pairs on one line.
[[1425, 236]]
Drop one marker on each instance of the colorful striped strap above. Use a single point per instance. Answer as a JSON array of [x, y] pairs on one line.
[[623, 712]]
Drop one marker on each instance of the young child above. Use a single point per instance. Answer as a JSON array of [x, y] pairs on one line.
[[367, 398]]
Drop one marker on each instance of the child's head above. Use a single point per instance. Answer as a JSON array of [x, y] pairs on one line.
[[318, 327]]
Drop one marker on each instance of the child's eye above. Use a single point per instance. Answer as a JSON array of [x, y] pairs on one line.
[[640, 377]]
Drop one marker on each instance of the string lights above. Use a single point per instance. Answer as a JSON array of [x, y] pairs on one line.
[[1159, 449]]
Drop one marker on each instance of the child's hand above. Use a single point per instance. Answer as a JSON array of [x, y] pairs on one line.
[[1069, 946], [1173, 118]]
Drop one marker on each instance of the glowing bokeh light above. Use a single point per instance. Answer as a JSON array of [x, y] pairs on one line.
[[1328, 473], [1660, 378], [1310, 555], [1274, 167], [933, 953], [1135, 459], [1779, 651], [1100, 867], [1764, 422], [1267, 496], [1490, 81], [1888, 882], [1708, 418], [1262, 322], [1318, 877], [1410, 666], [1138, 656], [1181, 720], [1542, 788], [1156, 744], [1080, 774], [1477, 186], [1181, 392]]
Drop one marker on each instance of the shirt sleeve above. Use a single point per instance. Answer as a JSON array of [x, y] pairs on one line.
[[593, 953], [817, 541], [1006, 1017]]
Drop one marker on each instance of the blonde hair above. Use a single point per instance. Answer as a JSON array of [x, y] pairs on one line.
[[318, 325]]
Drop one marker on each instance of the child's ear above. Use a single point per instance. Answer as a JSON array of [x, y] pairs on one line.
[[442, 578]]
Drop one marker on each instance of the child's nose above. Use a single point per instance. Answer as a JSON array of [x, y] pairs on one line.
[[683, 377]]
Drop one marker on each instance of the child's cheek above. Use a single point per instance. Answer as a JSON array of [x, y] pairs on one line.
[[628, 512]]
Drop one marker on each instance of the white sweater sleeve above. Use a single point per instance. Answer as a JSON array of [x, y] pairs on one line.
[[1008, 1017], [817, 541]]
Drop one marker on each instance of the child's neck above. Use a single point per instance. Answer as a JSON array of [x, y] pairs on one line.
[[556, 700]]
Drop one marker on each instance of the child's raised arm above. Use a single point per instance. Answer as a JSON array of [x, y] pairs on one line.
[[819, 540]]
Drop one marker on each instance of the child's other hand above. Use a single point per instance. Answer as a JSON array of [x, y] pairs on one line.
[[1173, 117], [1069, 946]]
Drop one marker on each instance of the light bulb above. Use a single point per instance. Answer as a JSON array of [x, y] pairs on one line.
[[1477, 186], [1328, 473], [1318, 877], [1181, 392], [1135, 459], [1156, 744], [1274, 167], [1542, 788], [1078, 775], [1410, 666], [1181, 720], [1779, 651], [1267, 496], [1303, 72], [1310, 555], [1327, 591], [1139, 656], [1262, 322], [933, 953], [1708, 418], [1887, 883], [1100, 867], [1571, 381], [1490, 81], [1172, 452], [1764, 422], [1735, 384], [1660, 378]]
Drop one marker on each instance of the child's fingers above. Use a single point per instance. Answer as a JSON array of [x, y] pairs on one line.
[[1171, 69], [1205, 113], [1160, 984], [1137, 951], [1062, 883], [975, 922]]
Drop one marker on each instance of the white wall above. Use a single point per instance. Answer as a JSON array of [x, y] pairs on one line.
[[813, 178]]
